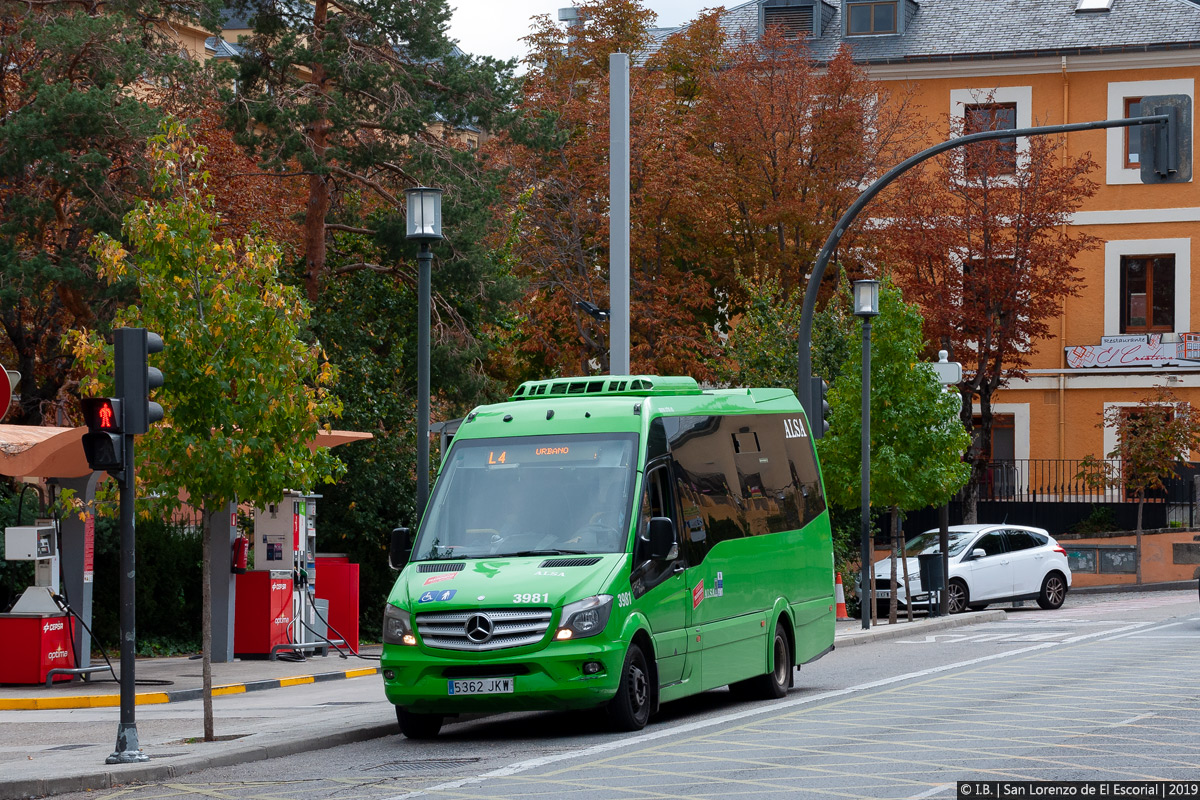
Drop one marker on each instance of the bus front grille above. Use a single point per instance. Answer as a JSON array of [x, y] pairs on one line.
[[484, 628]]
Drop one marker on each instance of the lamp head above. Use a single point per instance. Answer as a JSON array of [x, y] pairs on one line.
[[866, 298], [424, 207]]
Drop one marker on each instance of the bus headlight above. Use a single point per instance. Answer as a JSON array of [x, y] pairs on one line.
[[585, 617], [397, 626]]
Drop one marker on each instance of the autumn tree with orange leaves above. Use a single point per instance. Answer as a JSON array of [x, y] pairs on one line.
[[744, 153], [980, 238]]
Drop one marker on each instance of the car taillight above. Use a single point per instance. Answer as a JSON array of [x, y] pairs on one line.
[[1059, 549]]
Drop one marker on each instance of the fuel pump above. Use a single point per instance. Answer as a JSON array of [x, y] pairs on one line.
[[37, 632], [285, 545], [36, 543]]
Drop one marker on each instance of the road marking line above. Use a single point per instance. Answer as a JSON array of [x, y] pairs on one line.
[[606, 747], [935, 790]]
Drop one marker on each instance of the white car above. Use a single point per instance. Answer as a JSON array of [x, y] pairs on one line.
[[987, 564]]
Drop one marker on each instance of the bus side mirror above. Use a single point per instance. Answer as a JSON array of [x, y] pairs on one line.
[[661, 535], [399, 548]]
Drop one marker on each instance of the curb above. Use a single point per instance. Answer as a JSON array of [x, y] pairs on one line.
[[257, 747], [1166, 586], [898, 630], [155, 698]]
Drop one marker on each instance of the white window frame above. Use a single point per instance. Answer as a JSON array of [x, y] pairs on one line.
[[1022, 96], [1114, 250], [1115, 171], [1110, 431]]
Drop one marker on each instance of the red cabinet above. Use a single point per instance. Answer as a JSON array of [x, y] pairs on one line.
[[337, 582], [263, 612], [35, 644]]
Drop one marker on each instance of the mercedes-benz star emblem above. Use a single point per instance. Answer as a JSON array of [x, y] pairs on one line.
[[479, 628]]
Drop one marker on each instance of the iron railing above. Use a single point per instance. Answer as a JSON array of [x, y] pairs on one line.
[[1031, 480]]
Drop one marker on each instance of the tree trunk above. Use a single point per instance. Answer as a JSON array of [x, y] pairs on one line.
[[206, 621], [892, 600], [1138, 533], [318, 184]]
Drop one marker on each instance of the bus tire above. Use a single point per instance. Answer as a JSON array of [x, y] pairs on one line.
[[630, 708], [418, 726], [774, 684]]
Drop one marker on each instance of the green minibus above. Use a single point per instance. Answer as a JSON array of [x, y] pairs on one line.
[[617, 542]]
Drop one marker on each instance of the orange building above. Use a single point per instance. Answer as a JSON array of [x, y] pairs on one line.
[[1047, 62]]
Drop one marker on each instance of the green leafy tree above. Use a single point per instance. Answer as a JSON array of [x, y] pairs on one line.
[[1152, 438], [349, 94], [917, 441], [245, 394], [81, 87]]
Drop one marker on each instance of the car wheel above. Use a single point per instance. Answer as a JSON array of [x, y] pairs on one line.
[[978, 606], [630, 709], [774, 684], [418, 726], [957, 597], [1054, 591]]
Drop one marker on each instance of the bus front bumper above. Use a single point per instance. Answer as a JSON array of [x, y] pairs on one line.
[[550, 678]]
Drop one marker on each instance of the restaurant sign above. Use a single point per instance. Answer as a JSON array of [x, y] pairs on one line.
[[1137, 350]]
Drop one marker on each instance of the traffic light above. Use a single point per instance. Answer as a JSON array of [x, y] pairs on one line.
[[820, 396], [104, 443], [1165, 154], [135, 377]]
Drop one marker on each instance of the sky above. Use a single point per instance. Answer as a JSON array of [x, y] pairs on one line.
[[495, 27]]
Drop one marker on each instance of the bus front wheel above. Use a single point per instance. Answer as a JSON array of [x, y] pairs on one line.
[[630, 709], [418, 726]]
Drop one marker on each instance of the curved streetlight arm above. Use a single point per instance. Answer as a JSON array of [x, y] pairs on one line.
[[804, 360]]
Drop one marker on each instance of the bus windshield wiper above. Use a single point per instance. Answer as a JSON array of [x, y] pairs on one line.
[[543, 553]]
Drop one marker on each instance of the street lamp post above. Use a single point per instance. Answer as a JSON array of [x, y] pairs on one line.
[[866, 305], [424, 211]]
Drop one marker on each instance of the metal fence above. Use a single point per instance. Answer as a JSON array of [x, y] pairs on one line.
[[1055, 494]]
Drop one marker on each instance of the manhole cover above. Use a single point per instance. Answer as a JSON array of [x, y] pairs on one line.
[[170, 755], [426, 765], [349, 703]]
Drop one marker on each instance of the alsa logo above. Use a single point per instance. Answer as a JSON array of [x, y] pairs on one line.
[[52, 626], [57, 655], [794, 429]]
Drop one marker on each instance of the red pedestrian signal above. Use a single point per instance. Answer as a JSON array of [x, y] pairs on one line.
[[104, 443]]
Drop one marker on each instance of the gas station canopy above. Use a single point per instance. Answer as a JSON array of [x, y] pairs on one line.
[[49, 452]]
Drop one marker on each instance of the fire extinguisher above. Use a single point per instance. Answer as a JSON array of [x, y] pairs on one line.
[[241, 548]]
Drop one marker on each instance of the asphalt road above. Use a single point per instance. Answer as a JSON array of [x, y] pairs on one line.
[[1104, 688]]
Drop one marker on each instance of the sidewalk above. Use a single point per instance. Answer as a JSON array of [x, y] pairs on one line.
[[56, 740]]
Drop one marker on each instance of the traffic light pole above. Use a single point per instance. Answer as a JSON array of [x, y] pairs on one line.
[[128, 750], [804, 340]]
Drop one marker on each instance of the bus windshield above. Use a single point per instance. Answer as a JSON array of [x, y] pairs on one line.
[[531, 495]]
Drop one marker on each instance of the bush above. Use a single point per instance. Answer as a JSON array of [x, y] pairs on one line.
[[1100, 519], [168, 562]]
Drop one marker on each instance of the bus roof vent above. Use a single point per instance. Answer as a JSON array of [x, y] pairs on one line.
[[609, 386]]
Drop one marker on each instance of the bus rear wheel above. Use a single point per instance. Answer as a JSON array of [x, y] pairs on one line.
[[630, 709], [418, 726], [774, 684]]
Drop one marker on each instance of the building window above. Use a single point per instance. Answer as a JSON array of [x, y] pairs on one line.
[[1119, 167], [1147, 294], [793, 21], [1000, 155], [863, 19], [1133, 136]]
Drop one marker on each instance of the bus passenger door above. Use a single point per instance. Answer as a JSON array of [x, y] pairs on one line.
[[658, 587]]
